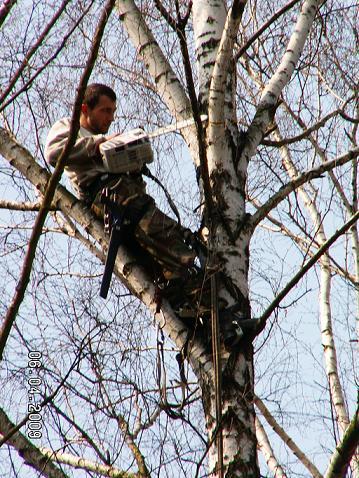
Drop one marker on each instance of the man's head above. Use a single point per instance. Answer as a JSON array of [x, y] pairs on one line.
[[98, 108]]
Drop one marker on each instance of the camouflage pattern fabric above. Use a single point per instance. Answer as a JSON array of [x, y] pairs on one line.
[[155, 232], [163, 238]]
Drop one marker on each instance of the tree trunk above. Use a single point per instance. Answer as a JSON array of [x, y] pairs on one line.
[[238, 418]]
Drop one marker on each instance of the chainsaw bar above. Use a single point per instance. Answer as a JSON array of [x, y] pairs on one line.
[[175, 127]]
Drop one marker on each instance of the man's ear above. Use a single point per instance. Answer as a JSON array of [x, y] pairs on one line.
[[84, 109]]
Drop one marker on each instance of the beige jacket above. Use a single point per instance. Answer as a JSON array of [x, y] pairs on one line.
[[83, 165]]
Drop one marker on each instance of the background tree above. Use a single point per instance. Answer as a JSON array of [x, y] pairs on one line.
[[275, 171]]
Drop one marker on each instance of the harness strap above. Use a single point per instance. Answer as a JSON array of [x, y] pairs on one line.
[[118, 218], [102, 181], [98, 184]]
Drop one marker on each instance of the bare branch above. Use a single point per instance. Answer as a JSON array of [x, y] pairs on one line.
[[305, 244], [5, 9], [267, 450], [82, 432], [12, 431], [272, 91], [179, 28], [263, 28], [297, 182], [87, 465], [123, 426], [286, 438], [31, 454], [168, 84], [303, 270], [32, 51], [319, 124], [23, 206], [27, 84]]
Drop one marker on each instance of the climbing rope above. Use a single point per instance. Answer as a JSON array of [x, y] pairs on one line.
[[148, 173], [216, 348]]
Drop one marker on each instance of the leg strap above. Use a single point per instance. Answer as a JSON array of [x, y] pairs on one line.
[[119, 220]]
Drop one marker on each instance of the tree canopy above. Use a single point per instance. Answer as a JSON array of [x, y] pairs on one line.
[[115, 388]]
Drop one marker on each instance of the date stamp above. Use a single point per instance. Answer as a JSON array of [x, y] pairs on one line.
[[34, 383]]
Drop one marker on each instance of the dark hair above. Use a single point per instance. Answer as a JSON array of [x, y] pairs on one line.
[[93, 93]]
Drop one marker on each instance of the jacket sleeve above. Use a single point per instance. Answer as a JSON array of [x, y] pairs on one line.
[[83, 151]]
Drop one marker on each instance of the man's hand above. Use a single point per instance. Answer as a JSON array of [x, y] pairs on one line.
[[111, 136], [103, 139], [97, 147]]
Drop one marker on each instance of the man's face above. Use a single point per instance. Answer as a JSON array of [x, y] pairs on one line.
[[98, 119]]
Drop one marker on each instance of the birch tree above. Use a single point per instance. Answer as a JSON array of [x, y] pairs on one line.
[[270, 180]]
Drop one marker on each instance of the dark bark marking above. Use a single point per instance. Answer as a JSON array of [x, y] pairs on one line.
[[146, 45]]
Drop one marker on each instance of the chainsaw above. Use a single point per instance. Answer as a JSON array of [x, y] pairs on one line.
[[129, 152]]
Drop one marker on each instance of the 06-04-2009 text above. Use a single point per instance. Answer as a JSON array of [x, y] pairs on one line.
[[34, 383]]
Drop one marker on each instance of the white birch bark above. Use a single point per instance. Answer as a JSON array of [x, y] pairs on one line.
[[209, 17], [279, 80], [43, 459], [220, 156], [238, 429], [167, 84], [215, 33], [228, 187], [32, 455], [329, 350], [327, 333], [267, 450], [84, 464]]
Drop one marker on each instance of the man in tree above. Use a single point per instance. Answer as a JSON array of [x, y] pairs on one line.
[[161, 239]]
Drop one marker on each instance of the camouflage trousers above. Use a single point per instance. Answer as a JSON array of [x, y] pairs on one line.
[[160, 237]]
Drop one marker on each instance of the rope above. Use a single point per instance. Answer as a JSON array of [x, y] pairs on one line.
[[148, 173], [216, 362]]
